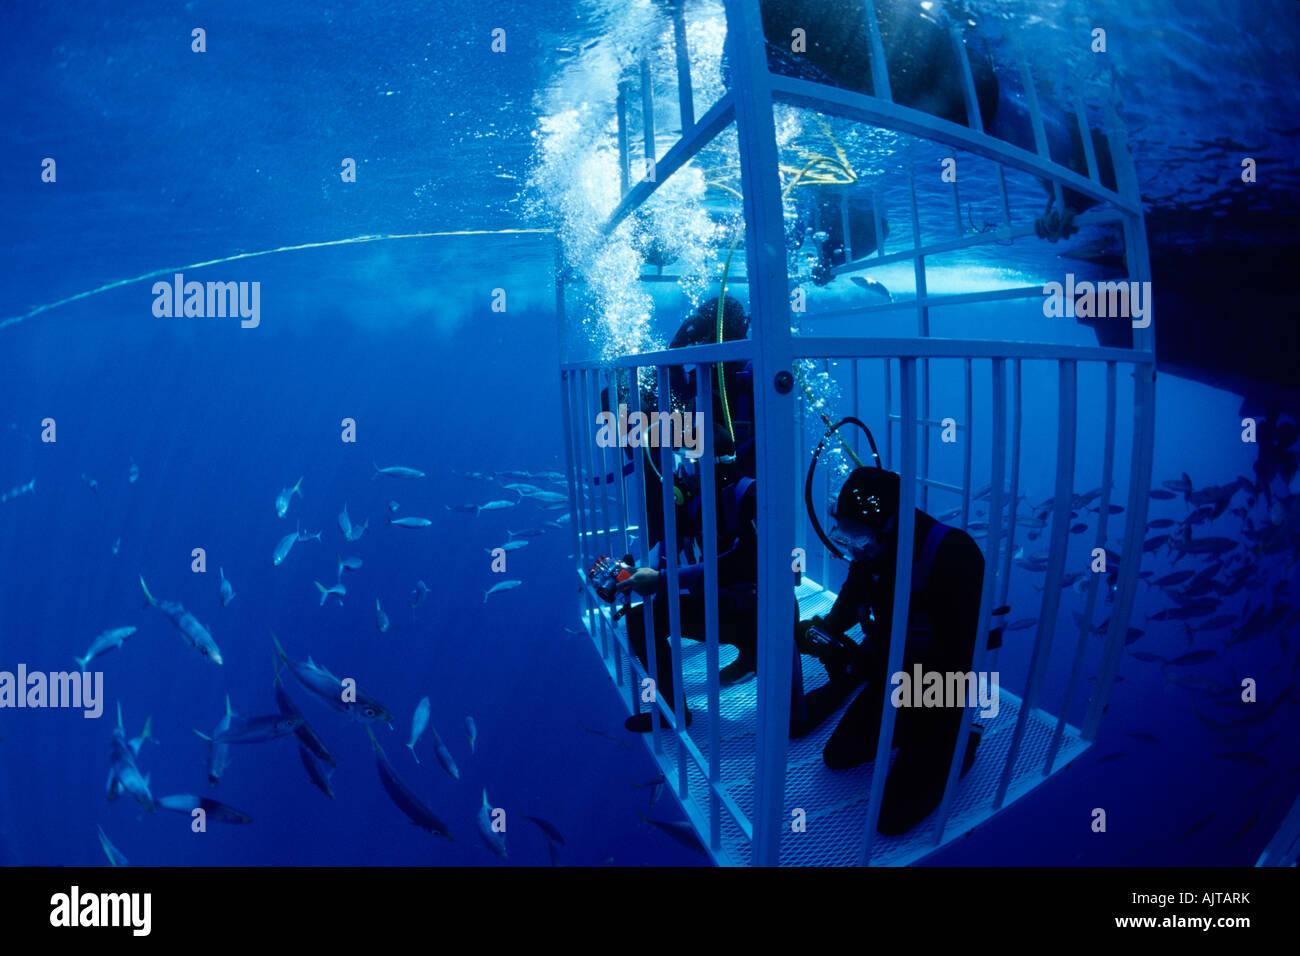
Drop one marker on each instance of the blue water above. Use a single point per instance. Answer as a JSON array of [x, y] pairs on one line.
[[167, 158]]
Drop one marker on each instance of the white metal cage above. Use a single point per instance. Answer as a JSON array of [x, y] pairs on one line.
[[735, 772]]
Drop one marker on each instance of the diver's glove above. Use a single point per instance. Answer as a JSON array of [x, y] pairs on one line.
[[803, 640], [836, 651], [1056, 225]]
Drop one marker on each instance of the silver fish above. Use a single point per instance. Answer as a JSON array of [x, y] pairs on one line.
[[496, 506], [552, 834], [329, 689], [682, 833], [195, 634], [404, 797], [410, 522], [393, 506], [256, 730], [124, 775], [337, 590], [444, 755], [285, 496], [115, 856], [396, 471], [283, 547], [305, 733], [1204, 545], [419, 720], [381, 619], [550, 498], [227, 592], [187, 803], [471, 732], [345, 523], [17, 490], [133, 473], [128, 753], [358, 530], [317, 775], [526, 533], [521, 489], [107, 641], [418, 594], [508, 546], [218, 751], [286, 543], [501, 586], [656, 788], [496, 842]]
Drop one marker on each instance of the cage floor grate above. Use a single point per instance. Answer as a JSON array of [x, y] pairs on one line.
[[835, 802]]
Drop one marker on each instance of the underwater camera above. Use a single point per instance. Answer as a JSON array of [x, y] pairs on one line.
[[606, 574]]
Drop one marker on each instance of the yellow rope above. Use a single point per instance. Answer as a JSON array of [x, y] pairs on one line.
[[722, 299], [834, 172]]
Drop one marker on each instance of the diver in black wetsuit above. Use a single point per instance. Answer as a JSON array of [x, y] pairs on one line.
[[924, 74], [735, 499], [943, 617]]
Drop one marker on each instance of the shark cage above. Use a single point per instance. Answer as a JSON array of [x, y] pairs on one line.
[[976, 424]]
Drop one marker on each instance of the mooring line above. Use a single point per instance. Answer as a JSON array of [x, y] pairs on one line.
[[157, 273]]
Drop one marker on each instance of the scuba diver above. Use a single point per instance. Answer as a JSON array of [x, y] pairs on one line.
[[924, 74], [735, 496], [822, 218], [735, 515], [943, 617]]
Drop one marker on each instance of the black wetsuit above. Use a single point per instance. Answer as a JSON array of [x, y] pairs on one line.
[[924, 74], [735, 501], [943, 618]]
